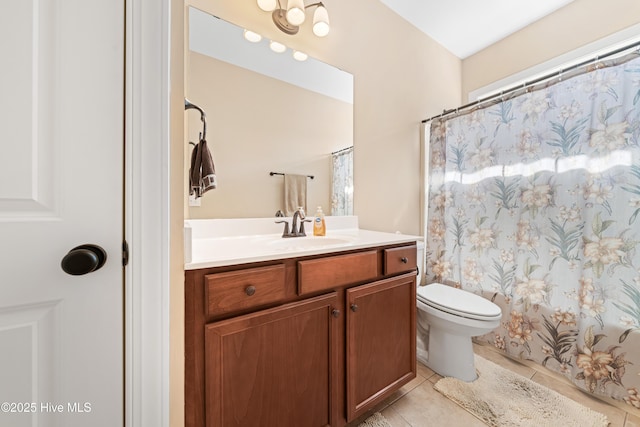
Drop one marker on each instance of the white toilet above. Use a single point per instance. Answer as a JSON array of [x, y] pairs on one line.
[[447, 319]]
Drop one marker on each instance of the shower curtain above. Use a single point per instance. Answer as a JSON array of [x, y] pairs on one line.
[[342, 182], [534, 203]]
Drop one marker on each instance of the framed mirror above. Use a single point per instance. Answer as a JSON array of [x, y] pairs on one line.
[[268, 114]]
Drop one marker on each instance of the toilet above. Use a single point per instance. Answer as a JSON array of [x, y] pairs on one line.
[[447, 319]]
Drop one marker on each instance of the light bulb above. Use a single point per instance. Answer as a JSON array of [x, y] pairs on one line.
[[267, 5], [321, 22], [295, 12], [251, 36], [277, 47], [300, 56]]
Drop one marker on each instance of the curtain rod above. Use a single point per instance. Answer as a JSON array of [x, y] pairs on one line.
[[280, 173], [635, 44], [344, 149]]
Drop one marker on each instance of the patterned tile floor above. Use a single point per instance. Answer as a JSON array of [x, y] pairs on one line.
[[417, 404]]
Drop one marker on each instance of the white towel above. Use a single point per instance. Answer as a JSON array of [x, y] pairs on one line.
[[295, 193]]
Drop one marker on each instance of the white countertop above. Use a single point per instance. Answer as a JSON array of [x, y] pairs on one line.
[[215, 249]]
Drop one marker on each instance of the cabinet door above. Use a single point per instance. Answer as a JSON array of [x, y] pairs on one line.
[[273, 368], [381, 341]]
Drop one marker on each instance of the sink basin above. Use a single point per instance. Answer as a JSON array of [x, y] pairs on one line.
[[308, 242]]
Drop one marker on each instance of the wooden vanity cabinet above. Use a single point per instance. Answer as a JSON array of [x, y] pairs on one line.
[[272, 367], [380, 341], [302, 342]]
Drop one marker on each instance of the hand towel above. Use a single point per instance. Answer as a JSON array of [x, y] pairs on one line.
[[202, 174], [295, 193]]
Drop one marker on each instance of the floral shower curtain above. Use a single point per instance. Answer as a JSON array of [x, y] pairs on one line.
[[534, 203], [342, 182]]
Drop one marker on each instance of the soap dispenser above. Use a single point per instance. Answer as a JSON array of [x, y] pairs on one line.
[[319, 227]]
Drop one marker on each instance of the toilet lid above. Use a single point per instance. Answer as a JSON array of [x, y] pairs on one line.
[[457, 301]]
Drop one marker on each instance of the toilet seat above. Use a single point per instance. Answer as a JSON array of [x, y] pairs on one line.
[[458, 302]]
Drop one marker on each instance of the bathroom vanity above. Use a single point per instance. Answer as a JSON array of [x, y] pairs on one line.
[[315, 333]]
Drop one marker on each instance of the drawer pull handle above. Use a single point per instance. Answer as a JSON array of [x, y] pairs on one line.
[[335, 313], [354, 307], [250, 290], [404, 260]]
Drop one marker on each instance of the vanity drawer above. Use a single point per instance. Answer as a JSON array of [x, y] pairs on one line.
[[243, 289], [334, 271], [399, 260]]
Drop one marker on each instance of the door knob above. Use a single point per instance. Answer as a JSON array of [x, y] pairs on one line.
[[83, 259]]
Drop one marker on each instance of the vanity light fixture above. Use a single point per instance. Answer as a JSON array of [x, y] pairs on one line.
[[267, 5], [290, 19]]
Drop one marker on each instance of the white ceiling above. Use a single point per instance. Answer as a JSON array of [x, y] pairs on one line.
[[465, 27]]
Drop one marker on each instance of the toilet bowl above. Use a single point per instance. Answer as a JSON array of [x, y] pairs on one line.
[[447, 319]]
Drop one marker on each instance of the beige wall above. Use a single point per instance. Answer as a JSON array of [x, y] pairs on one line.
[[401, 76], [571, 27], [255, 125]]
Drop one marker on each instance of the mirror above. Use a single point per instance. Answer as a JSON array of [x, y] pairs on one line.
[[266, 112]]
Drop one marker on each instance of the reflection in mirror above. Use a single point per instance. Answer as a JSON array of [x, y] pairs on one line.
[[267, 112]]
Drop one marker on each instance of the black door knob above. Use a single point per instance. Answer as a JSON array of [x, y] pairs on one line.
[[83, 259]]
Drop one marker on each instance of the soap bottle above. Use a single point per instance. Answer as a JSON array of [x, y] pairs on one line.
[[319, 227]]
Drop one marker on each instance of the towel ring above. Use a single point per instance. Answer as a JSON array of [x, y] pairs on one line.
[[188, 105]]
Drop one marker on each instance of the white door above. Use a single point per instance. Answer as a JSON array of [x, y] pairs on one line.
[[61, 184]]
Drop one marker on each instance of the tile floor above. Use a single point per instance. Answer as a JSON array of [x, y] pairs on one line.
[[417, 404]]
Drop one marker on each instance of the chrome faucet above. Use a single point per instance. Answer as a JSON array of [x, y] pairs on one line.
[[296, 230], [298, 214]]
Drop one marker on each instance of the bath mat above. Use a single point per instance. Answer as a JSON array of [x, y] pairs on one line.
[[375, 420], [501, 398]]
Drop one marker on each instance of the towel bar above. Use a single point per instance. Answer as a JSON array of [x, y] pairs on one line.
[[280, 173]]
